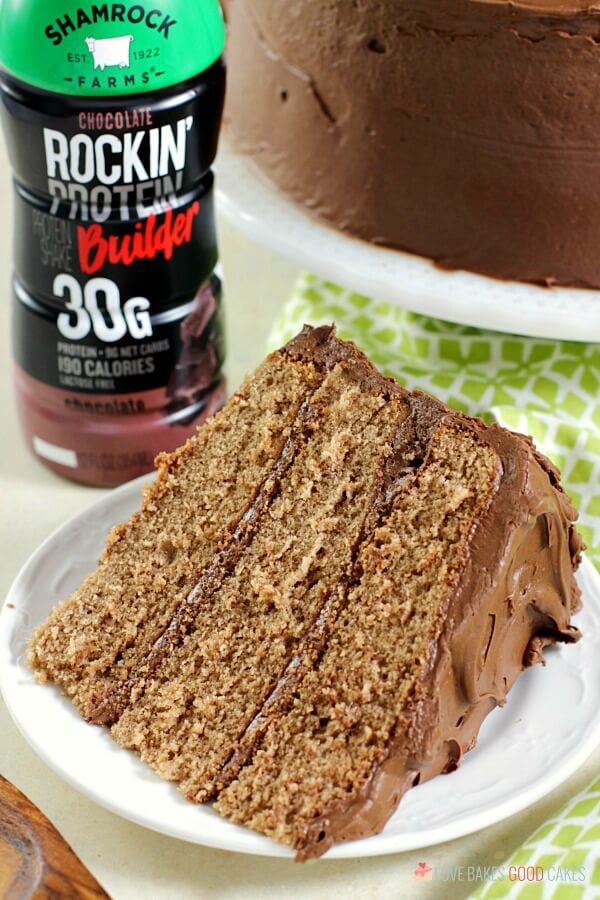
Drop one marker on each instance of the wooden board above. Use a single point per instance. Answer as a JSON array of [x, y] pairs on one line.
[[35, 861]]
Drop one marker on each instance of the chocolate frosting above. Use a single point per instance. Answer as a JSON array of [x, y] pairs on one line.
[[516, 595], [460, 130]]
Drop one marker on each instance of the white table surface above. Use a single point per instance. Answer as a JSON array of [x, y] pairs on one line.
[[129, 861]]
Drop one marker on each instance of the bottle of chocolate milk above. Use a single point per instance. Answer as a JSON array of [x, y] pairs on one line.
[[111, 114]]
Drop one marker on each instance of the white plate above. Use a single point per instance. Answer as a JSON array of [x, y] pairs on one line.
[[549, 726], [251, 203]]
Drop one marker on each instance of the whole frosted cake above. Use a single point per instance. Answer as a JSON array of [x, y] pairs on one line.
[[461, 130], [324, 594]]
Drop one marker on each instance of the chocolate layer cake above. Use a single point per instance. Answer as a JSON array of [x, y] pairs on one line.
[[323, 595], [461, 130]]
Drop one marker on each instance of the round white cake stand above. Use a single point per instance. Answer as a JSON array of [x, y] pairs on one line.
[[250, 202]]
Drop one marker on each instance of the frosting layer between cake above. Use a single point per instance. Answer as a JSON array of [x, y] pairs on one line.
[[462, 130]]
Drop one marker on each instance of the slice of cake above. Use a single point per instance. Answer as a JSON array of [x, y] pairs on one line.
[[323, 595]]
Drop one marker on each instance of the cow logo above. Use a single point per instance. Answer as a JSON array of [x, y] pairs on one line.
[[110, 51]]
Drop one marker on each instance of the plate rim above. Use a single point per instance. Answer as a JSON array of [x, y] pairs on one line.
[[244, 840]]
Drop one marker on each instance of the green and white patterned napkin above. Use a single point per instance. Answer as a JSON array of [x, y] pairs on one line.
[[561, 861], [548, 389]]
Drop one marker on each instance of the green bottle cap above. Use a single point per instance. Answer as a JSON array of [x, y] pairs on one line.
[[106, 49]]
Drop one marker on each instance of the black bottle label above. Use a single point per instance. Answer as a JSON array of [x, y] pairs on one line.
[[162, 257], [103, 346], [117, 310]]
